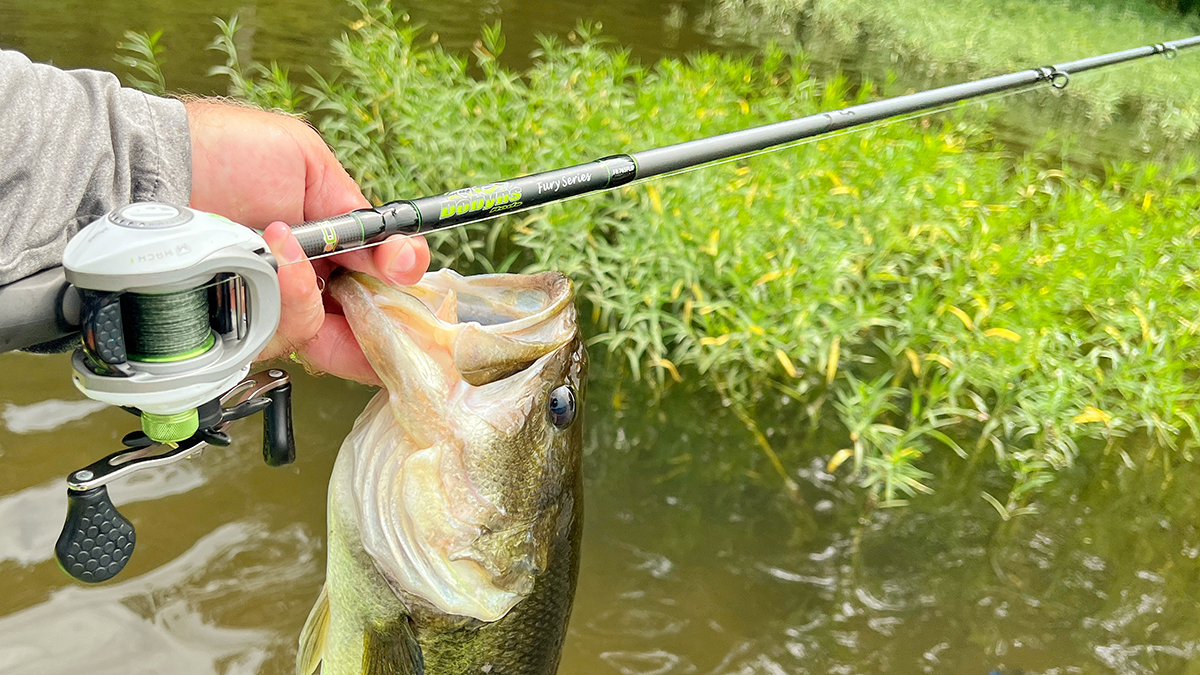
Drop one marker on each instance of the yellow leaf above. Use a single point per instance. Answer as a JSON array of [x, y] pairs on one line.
[[940, 359], [838, 458], [1144, 323], [655, 200], [1146, 201], [962, 316], [670, 367], [750, 194], [676, 290], [913, 361], [834, 354], [769, 276], [786, 362], [970, 204], [744, 106], [842, 190], [1091, 414], [711, 247], [718, 341], [1002, 333]]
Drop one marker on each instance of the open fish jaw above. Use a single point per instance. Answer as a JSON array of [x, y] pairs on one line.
[[456, 468]]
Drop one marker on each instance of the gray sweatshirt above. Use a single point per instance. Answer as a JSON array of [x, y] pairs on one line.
[[73, 146]]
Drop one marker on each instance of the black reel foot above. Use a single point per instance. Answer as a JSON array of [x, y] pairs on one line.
[[96, 540]]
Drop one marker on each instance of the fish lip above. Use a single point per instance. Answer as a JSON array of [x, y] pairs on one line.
[[557, 287], [503, 323]]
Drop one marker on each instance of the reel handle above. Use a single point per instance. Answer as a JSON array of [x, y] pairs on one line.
[[96, 540], [279, 444]]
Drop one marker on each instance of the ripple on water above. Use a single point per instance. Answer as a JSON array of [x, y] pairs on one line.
[[169, 620], [636, 622], [657, 662]]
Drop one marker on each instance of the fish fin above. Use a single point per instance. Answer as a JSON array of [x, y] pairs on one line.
[[392, 649], [313, 636]]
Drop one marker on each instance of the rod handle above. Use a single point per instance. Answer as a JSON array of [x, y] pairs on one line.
[[37, 309]]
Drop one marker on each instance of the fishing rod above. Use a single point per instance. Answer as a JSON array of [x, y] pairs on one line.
[[483, 202], [168, 307]]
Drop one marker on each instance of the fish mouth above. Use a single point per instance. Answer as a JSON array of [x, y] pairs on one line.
[[425, 340], [442, 484]]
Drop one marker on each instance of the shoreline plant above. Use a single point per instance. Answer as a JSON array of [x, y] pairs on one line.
[[1150, 108], [916, 282]]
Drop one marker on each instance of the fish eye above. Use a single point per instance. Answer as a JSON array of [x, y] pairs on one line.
[[562, 406]]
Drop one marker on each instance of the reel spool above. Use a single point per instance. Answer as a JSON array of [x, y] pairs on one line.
[[174, 306]]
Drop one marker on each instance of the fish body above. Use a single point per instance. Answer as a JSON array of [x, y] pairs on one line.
[[455, 504]]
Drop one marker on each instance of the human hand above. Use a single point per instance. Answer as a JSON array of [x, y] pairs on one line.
[[265, 170]]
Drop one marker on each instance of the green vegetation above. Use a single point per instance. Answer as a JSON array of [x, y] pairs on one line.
[[144, 58], [1154, 105], [928, 290]]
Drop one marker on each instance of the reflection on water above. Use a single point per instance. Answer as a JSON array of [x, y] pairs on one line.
[[80, 33], [35, 515], [46, 415], [709, 571], [153, 623]]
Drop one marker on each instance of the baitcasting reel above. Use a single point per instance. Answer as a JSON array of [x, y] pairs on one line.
[[173, 305]]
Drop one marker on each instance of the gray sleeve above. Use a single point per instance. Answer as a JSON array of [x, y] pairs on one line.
[[74, 145]]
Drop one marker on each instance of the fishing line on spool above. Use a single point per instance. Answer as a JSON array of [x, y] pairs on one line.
[[777, 148], [170, 326]]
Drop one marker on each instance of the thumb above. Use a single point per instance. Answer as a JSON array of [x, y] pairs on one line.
[[301, 309]]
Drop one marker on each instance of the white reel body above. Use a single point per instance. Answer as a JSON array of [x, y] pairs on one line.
[[151, 249]]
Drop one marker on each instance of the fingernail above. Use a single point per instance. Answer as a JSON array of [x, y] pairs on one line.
[[402, 264], [291, 251]]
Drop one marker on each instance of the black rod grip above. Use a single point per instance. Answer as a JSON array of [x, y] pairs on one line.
[[279, 444]]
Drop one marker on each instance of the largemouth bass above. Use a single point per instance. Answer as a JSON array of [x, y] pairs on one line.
[[455, 504]]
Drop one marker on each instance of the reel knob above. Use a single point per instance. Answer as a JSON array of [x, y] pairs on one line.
[[96, 540], [279, 444]]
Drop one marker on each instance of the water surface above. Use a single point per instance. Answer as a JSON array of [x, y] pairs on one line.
[[683, 572]]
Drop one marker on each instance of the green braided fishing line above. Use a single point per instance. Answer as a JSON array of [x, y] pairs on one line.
[[166, 326]]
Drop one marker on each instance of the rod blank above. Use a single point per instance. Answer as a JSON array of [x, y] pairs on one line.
[[513, 195]]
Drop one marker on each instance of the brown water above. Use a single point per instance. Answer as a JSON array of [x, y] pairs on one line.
[[693, 562], [692, 572]]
